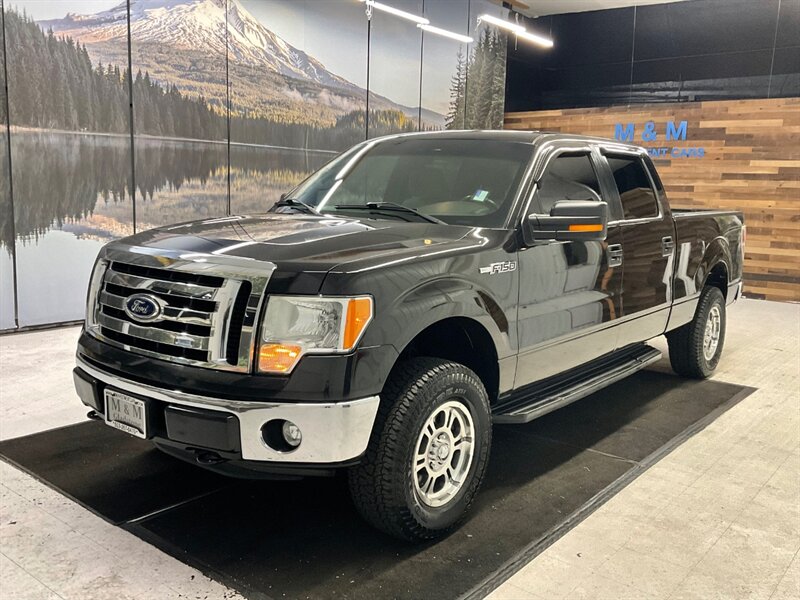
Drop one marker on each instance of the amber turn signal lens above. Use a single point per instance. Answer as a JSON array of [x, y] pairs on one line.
[[359, 312], [589, 227], [278, 358]]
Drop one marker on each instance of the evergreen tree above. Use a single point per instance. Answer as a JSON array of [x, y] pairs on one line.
[[455, 115]]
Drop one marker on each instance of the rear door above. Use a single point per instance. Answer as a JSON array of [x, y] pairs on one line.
[[569, 292], [648, 247]]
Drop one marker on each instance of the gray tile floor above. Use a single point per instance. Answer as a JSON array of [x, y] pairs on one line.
[[717, 518]]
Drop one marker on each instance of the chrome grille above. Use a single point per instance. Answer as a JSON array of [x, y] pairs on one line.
[[207, 311]]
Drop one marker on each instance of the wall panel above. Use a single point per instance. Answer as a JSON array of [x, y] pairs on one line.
[[444, 66], [486, 71], [70, 151], [395, 53], [672, 52], [233, 102], [296, 100], [178, 59], [7, 316], [751, 163]]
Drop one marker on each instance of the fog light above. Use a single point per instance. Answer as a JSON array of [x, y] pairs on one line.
[[292, 434]]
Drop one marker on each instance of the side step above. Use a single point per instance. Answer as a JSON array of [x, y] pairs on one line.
[[554, 392]]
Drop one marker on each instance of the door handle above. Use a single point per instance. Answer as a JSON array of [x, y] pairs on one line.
[[667, 245], [614, 255]]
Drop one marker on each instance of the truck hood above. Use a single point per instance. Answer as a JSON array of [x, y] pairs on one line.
[[307, 242]]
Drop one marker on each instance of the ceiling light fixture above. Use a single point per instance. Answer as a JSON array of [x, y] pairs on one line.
[[517, 29], [536, 39], [450, 34], [501, 23], [396, 12]]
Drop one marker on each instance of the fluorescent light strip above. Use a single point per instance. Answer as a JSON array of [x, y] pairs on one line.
[[396, 12], [450, 34], [501, 23], [536, 39], [519, 30]]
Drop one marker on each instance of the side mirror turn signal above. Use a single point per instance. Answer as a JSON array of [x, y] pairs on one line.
[[569, 220]]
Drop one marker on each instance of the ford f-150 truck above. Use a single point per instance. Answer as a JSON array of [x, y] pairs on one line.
[[381, 316]]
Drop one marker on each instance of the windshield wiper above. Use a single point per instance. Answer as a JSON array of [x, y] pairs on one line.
[[390, 206], [298, 204]]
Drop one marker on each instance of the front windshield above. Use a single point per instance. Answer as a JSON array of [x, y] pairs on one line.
[[459, 181]]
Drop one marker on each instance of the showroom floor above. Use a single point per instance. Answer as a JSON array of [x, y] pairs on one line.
[[718, 517]]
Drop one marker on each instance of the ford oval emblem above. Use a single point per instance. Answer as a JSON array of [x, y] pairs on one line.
[[143, 307]]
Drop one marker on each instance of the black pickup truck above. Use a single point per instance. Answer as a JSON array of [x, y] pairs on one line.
[[382, 315]]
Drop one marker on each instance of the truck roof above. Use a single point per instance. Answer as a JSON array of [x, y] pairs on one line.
[[526, 137]]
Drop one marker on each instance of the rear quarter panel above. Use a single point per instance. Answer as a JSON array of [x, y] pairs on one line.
[[704, 240]]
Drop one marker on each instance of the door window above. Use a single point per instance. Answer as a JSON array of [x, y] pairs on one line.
[[569, 176], [635, 190]]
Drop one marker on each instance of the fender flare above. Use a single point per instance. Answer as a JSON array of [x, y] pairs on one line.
[[717, 252], [442, 298]]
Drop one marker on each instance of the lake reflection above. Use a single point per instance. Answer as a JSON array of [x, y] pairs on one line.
[[71, 195], [259, 176], [6, 232]]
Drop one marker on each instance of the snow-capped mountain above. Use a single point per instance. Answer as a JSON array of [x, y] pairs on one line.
[[199, 25]]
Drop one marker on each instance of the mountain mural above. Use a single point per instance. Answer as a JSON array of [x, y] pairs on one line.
[[70, 89], [269, 77]]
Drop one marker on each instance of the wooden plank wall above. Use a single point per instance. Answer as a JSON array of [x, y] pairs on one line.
[[751, 163]]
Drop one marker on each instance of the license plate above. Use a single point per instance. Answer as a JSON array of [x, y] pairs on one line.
[[126, 413]]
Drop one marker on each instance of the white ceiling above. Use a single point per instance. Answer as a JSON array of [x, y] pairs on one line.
[[539, 8]]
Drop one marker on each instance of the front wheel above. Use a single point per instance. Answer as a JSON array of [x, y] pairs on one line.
[[695, 348], [428, 451]]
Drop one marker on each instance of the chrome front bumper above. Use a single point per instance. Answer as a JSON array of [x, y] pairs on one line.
[[332, 433]]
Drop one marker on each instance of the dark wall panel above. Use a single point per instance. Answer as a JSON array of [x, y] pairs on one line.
[[788, 33], [681, 29], [785, 82], [590, 38], [703, 77], [675, 52]]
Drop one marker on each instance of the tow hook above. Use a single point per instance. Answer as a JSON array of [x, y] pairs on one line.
[[208, 458], [94, 416]]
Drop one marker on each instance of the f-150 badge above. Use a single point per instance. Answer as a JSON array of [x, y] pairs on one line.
[[499, 267]]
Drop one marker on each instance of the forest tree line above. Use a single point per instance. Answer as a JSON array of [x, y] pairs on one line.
[[477, 89]]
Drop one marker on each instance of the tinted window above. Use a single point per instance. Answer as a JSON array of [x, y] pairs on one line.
[[635, 192], [568, 177]]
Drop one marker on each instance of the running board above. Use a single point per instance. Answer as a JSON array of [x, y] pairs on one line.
[[554, 392]]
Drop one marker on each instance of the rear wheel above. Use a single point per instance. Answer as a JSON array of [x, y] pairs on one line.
[[428, 452], [695, 348]]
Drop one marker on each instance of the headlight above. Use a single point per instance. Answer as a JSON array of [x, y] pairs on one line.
[[298, 325], [93, 293]]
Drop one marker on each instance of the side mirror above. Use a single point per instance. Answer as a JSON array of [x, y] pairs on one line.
[[569, 220]]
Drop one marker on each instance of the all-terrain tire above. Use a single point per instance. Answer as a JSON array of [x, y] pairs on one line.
[[383, 485], [687, 344]]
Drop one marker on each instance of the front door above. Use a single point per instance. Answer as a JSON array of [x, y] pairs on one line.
[[569, 292]]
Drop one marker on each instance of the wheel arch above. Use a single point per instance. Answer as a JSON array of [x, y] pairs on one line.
[[718, 277], [460, 339], [714, 267]]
